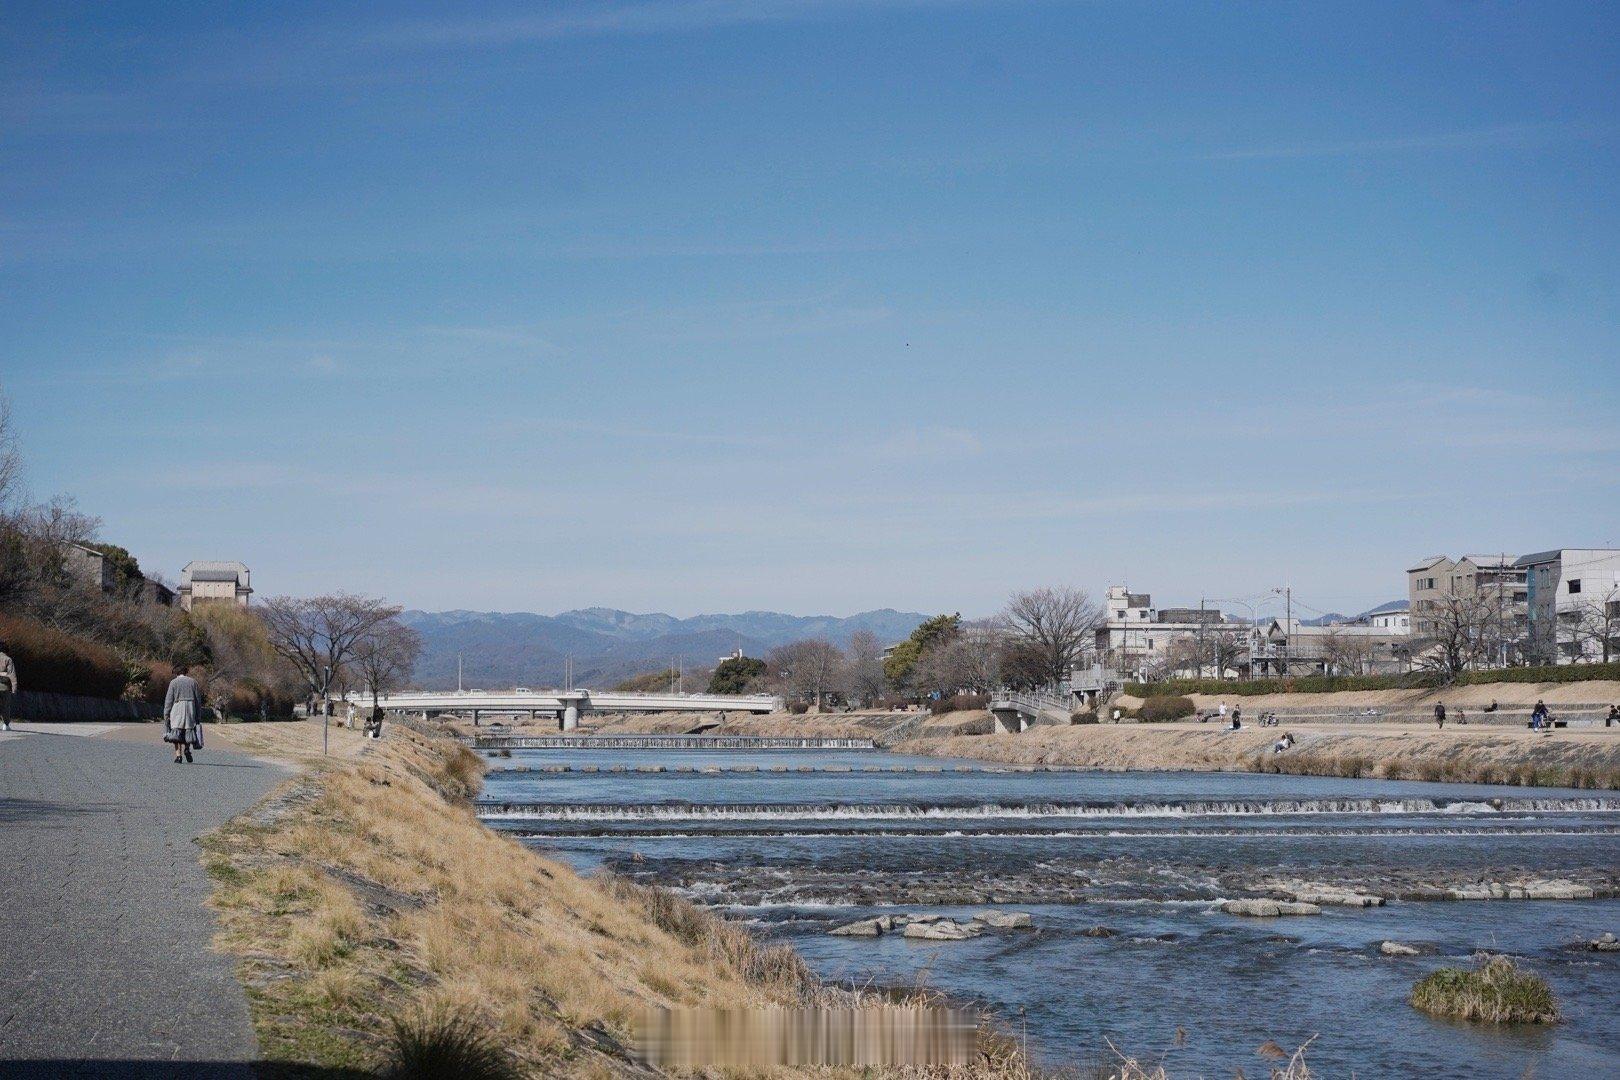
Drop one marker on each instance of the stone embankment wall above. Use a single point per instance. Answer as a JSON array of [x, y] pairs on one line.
[[61, 708]]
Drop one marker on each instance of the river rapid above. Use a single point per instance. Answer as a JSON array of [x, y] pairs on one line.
[[1122, 873]]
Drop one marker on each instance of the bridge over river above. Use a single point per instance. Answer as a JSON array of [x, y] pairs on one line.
[[566, 705]]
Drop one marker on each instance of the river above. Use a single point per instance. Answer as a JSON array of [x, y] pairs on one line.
[[1120, 871]]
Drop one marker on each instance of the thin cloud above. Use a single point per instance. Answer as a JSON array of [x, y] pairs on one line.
[[1499, 137], [637, 19]]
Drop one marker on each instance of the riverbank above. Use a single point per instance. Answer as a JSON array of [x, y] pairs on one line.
[[1587, 758], [365, 891]]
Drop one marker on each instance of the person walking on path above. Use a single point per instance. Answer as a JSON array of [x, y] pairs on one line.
[[182, 714], [1440, 715], [8, 686]]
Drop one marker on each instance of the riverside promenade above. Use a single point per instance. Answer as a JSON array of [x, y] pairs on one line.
[[105, 965]]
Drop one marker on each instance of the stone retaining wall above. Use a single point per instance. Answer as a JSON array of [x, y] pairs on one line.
[[62, 708]]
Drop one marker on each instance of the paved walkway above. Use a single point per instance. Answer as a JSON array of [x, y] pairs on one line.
[[105, 968]]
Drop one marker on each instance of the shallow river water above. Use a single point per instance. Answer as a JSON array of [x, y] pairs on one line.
[[1136, 859]]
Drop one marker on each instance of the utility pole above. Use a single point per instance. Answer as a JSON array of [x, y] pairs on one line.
[[1288, 642], [1201, 637], [458, 673]]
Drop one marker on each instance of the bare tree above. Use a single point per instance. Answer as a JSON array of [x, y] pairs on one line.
[[318, 635], [1056, 625], [863, 667], [384, 658], [1459, 631], [807, 669], [1344, 652], [10, 458], [1595, 626], [1185, 654]]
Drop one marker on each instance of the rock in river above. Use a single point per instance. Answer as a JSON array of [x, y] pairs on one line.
[[1606, 943], [1005, 920], [863, 928], [1395, 948], [943, 930], [1265, 909]]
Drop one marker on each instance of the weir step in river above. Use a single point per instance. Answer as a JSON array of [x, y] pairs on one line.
[[709, 770], [664, 742]]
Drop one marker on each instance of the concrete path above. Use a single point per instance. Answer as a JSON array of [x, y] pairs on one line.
[[105, 966]]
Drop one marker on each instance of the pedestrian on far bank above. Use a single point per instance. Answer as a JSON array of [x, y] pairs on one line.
[[182, 714], [1440, 715], [1614, 716], [1222, 710], [8, 686]]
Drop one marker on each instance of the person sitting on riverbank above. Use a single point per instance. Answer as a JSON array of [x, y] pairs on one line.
[[1237, 719], [1539, 718], [1284, 743], [1614, 716]]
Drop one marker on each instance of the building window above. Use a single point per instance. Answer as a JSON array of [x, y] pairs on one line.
[[1574, 585]]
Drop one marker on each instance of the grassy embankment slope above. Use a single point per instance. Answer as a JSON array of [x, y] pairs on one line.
[[365, 890]]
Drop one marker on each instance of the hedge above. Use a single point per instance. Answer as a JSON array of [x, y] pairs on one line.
[[1417, 680], [1162, 707], [959, 703], [55, 662]]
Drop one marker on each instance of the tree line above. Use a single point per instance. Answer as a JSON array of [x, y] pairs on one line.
[[1033, 642]]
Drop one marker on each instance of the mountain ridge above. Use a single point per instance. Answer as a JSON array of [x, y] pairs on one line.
[[523, 648]]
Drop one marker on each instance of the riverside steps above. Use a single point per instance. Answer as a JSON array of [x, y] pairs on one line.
[[663, 742]]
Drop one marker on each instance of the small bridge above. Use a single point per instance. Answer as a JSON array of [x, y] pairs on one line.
[[566, 705], [664, 742], [1016, 710]]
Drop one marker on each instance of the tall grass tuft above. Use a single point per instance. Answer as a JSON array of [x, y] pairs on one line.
[[446, 1046], [1496, 992]]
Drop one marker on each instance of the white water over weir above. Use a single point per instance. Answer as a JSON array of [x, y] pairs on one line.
[[1038, 810], [664, 742]]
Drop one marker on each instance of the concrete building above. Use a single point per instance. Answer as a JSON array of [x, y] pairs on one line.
[[1496, 581], [90, 566], [204, 582], [1395, 617], [1135, 636], [1283, 647], [1572, 604]]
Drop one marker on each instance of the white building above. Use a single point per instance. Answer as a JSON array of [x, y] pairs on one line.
[[1395, 617], [1134, 636], [1573, 603], [205, 582]]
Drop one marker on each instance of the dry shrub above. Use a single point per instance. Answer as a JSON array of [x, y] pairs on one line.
[[446, 1046]]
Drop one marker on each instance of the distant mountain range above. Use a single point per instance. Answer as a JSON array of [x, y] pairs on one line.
[[501, 650], [1334, 618]]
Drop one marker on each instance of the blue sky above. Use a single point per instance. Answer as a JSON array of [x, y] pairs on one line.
[[709, 305]]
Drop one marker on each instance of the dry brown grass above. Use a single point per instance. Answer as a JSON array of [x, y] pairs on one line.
[[369, 890]]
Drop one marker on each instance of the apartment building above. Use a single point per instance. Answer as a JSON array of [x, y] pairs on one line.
[[1573, 604], [1493, 584], [1134, 635]]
